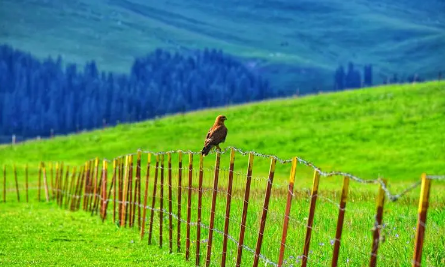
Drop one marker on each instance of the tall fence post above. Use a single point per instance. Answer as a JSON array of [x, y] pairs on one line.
[[70, 190], [52, 174], [377, 225], [212, 211], [198, 226], [228, 205], [16, 184], [310, 221], [264, 215], [94, 191], [290, 193], [139, 179], [124, 194], [161, 202], [153, 199], [104, 189], [144, 211], [4, 184], [341, 217], [86, 194], [45, 183], [170, 217], [65, 186], [421, 221], [189, 207], [178, 234], [130, 191], [26, 181], [246, 205]]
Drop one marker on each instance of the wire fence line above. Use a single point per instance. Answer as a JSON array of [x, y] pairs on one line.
[[91, 187], [391, 196]]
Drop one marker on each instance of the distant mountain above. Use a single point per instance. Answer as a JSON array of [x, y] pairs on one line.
[[297, 44]]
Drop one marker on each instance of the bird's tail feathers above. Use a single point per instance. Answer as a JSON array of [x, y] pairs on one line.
[[205, 150]]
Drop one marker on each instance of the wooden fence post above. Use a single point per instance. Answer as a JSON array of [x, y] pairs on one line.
[[310, 222], [189, 207], [153, 199], [212, 212], [65, 186], [124, 194], [178, 237], [161, 202], [228, 204], [26, 181], [290, 193], [45, 183], [16, 184], [198, 226], [341, 217], [92, 197], [264, 214], [104, 189], [170, 217], [4, 184], [138, 189], [70, 189], [246, 204], [52, 177], [87, 186], [421, 221], [144, 211], [377, 225]]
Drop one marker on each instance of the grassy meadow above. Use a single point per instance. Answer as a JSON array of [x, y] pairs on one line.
[[393, 132]]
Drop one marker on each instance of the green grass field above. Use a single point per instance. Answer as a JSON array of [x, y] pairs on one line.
[[394, 132], [318, 35]]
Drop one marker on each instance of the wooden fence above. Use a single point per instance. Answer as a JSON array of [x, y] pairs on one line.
[[119, 190]]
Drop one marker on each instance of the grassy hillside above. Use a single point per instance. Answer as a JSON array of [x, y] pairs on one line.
[[43, 235], [293, 43], [393, 131]]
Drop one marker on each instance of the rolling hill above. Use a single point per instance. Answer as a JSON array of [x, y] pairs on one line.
[[389, 131], [296, 44]]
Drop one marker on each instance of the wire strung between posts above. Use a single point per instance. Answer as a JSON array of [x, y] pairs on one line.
[[392, 197]]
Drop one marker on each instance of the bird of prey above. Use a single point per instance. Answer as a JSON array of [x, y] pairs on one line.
[[216, 135]]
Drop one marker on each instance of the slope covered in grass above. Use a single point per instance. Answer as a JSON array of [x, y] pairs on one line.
[[44, 235], [393, 131]]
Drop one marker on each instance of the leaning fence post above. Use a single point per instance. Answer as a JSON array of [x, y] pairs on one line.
[[153, 199], [170, 217], [178, 238], [144, 212], [212, 211], [16, 184], [189, 207], [198, 225], [310, 221], [264, 215], [290, 193], [341, 217], [246, 204], [421, 221], [378, 224], [45, 183], [228, 205]]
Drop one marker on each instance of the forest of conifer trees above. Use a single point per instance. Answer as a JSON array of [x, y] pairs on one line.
[[40, 97]]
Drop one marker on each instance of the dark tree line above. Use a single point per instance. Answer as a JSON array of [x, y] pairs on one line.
[[37, 97], [352, 78]]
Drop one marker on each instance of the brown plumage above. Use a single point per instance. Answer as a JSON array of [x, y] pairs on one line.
[[216, 135]]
